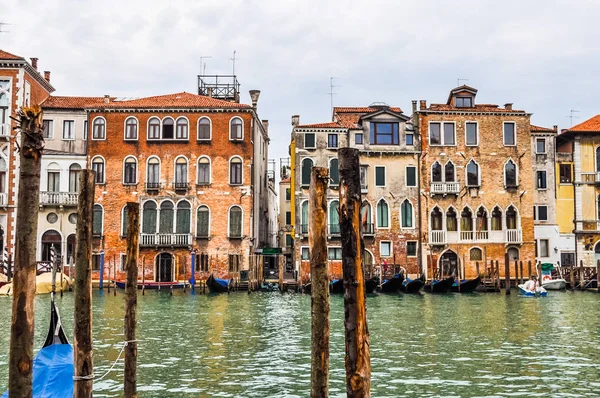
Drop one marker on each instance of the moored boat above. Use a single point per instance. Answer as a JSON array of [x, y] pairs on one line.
[[539, 292], [371, 285], [440, 286], [550, 283], [412, 286], [336, 286], [306, 287], [217, 285], [152, 285], [393, 284], [466, 285]]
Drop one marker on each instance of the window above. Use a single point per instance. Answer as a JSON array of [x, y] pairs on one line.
[[379, 176], [166, 216], [472, 174], [304, 219], [513, 254], [288, 240], [124, 221], [154, 129], [436, 172], [96, 262], [332, 141], [235, 260], [153, 173], [540, 213], [435, 133], [365, 218], [475, 254], [203, 222], [541, 180], [463, 102], [309, 141], [184, 218], [305, 253], [384, 133], [307, 165], [496, 219], [334, 253], [131, 128], [410, 139], [181, 130], [98, 215], [235, 129], [509, 134], [334, 172], [288, 218], [471, 133], [123, 264], [411, 249], [385, 249], [130, 171], [202, 262], [204, 133], [167, 128], [411, 176], [406, 212], [567, 259], [3, 170], [383, 220], [74, 172], [451, 220], [466, 220], [99, 132], [358, 138], [543, 248], [482, 219], [98, 168], [85, 129], [510, 174], [181, 174], [449, 134], [565, 174], [511, 218], [334, 217], [436, 219], [235, 171], [149, 218], [449, 172], [598, 159], [53, 180], [235, 222], [48, 129], [364, 181], [288, 194], [540, 145], [203, 171]]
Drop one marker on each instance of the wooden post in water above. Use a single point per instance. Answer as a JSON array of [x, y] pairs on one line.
[[280, 269], [516, 273], [133, 233], [358, 357], [497, 276], [317, 241], [115, 274], [143, 274], [108, 285], [598, 276], [581, 275], [82, 346], [507, 273], [62, 276], [529, 268], [521, 271], [572, 276]]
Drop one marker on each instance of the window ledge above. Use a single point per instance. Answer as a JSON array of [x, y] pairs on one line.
[[130, 139], [130, 184], [204, 140], [208, 184]]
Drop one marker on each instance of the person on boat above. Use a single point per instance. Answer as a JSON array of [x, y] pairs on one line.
[[531, 285]]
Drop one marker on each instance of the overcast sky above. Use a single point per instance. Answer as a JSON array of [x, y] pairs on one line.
[[543, 56]]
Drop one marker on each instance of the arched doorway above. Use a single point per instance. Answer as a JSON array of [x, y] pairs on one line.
[[367, 262], [70, 249], [513, 254], [448, 264], [163, 271], [50, 239], [597, 252]]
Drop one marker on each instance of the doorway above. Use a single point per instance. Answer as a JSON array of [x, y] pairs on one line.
[[448, 264], [164, 268], [51, 239]]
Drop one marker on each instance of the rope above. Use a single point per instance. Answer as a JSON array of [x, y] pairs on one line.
[[92, 376]]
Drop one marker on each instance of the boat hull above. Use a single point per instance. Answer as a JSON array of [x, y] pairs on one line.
[[216, 285], [392, 285], [412, 286], [527, 293], [555, 284], [152, 285], [371, 285], [441, 286], [336, 286], [466, 286]]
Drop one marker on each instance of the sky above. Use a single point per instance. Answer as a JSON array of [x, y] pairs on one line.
[[543, 56]]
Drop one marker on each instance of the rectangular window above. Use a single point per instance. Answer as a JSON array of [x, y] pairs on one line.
[[358, 138], [435, 137], [288, 240], [95, 262], [471, 133], [181, 130], [540, 145], [411, 249], [288, 218], [154, 130], [203, 173], [85, 129], [235, 175], [98, 167], [411, 176], [48, 129], [334, 253], [53, 181], [435, 133], [384, 133], [309, 140], [305, 253], [332, 141], [543, 248], [123, 264], [410, 139], [509, 134], [130, 173], [540, 213], [288, 194], [565, 174], [235, 260], [449, 136], [541, 180], [385, 249], [68, 130], [201, 262], [567, 259], [463, 102], [364, 181], [379, 176]]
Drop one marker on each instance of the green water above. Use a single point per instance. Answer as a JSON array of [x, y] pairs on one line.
[[258, 345]]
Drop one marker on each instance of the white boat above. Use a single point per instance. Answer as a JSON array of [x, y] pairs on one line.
[[539, 291], [554, 284]]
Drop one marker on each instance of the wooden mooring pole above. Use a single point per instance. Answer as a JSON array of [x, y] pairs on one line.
[[572, 276], [358, 357], [82, 347], [317, 242], [516, 272], [581, 275], [598, 276], [506, 274], [497, 276], [521, 271], [133, 233]]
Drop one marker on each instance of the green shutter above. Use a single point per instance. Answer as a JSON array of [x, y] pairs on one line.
[[183, 221], [334, 172]]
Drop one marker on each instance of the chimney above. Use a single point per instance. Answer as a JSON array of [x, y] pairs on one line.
[[414, 115], [47, 75], [295, 120], [422, 105], [508, 106], [555, 127], [107, 99], [209, 91], [34, 63], [254, 94], [265, 124]]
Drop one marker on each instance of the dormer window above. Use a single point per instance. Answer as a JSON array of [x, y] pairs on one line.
[[384, 133], [463, 102]]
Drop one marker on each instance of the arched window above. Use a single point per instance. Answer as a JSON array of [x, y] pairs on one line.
[[436, 172], [482, 219], [154, 128], [165, 223], [466, 220], [365, 218], [3, 171], [235, 222], [181, 131], [149, 218], [204, 133], [236, 129], [74, 172], [436, 219], [406, 214], [203, 222], [53, 174], [451, 220], [383, 220], [513, 254], [99, 129], [235, 171], [472, 174], [334, 217], [181, 173], [153, 173], [98, 220], [475, 254], [98, 168], [598, 159], [449, 172], [496, 219], [511, 218], [203, 171], [130, 170], [124, 221], [51, 240], [167, 128], [307, 165], [304, 218], [510, 174], [184, 218], [131, 128], [334, 173]]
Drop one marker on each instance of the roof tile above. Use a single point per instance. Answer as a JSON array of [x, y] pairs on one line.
[[58, 102], [591, 125], [7, 55], [476, 108], [177, 100]]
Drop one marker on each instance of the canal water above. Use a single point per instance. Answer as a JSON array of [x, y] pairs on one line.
[[258, 345]]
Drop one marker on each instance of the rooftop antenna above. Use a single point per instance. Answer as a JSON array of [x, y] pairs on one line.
[[203, 64], [2, 24], [233, 60], [571, 116], [459, 80], [331, 93]]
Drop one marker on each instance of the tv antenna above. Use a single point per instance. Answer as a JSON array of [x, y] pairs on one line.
[[2, 24], [233, 59], [331, 93], [572, 116], [203, 64], [460, 80]]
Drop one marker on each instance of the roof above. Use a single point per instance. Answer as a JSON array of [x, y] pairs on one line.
[[541, 129], [348, 117], [458, 89], [328, 125], [362, 109], [591, 125], [7, 55], [61, 102], [177, 100], [476, 108]]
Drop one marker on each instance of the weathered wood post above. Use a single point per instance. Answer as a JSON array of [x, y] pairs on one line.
[[598, 276], [516, 272], [317, 241], [521, 271], [108, 285], [133, 233], [581, 275], [62, 276], [358, 357], [143, 274], [529, 268], [20, 363], [82, 346], [280, 269], [572, 276], [507, 273], [115, 274], [497, 276]]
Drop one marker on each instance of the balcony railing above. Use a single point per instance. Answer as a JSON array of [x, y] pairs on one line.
[[152, 186], [3, 199], [5, 130], [474, 236], [165, 240], [181, 186], [368, 229], [364, 188], [444, 188], [59, 198], [437, 237], [513, 236], [334, 229], [452, 237]]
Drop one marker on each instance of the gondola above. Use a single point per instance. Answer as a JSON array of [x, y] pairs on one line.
[[217, 285], [336, 286], [412, 286], [393, 284], [466, 285], [440, 286], [371, 285], [306, 287], [152, 285]]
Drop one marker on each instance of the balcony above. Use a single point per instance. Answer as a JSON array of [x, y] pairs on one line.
[[58, 198], [3, 199], [445, 188], [4, 130], [181, 186], [368, 229], [165, 240], [334, 229], [513, 236], [454, 237], [474, 236], [152, 186], [437, 237]]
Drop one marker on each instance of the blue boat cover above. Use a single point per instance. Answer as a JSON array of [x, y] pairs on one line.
[[222, 282], [53, 372]]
